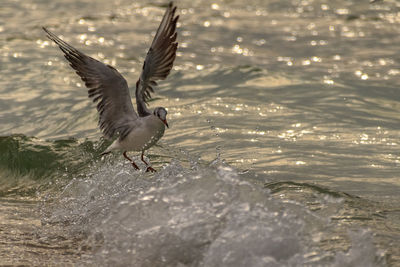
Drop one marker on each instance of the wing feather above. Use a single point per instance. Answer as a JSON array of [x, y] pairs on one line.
[[106, 87], [159, 59]]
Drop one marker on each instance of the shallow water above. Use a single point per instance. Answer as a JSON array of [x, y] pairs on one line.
[[282, 148]]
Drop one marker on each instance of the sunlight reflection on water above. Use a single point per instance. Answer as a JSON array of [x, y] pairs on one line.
[[294, 90]]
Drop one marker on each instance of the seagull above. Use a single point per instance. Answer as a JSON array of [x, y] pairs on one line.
[[135, 131]]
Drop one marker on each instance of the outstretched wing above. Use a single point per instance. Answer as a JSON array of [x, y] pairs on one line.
[[105, 86], [159, 59]]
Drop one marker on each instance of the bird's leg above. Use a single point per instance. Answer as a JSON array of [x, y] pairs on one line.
[[149, 168], [133, 163]]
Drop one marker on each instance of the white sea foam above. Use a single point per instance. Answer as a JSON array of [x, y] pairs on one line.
[[200, 216]]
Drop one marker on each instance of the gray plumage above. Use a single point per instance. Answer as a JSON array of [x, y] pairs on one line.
[[159, 59], [109, 89]]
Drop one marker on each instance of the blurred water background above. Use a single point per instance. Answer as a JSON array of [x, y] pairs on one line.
[[283, 148]]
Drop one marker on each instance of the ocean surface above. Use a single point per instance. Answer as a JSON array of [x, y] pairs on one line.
[[283, 147]]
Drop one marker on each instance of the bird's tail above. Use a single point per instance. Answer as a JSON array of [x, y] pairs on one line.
[[105, 153], [109, 149], [113, 146]]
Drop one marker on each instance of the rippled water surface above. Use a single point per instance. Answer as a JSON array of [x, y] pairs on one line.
[[283, 148]]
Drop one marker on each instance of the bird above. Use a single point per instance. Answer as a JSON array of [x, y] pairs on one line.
[[133, 131]]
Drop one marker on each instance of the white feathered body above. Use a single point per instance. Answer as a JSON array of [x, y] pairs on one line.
[[145, 135]]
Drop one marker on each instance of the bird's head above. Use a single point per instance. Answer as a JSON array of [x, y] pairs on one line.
[[161, 113]]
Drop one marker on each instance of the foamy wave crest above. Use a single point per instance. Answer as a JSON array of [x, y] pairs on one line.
[[203, 215]]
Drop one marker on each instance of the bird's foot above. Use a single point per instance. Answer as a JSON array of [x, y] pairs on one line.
[[135, 166], [150, 169]]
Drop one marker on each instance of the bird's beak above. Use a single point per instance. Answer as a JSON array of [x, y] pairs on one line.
[[165, 122]]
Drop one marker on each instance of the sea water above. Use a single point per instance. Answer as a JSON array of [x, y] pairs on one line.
[[282, 148]]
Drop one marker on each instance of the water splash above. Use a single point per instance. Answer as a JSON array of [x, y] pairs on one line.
[[204, 216]]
